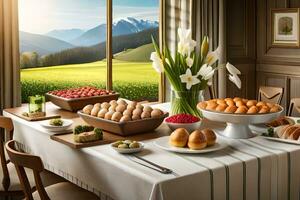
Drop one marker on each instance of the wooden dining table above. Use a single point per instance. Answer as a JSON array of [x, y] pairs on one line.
[[254, 168]]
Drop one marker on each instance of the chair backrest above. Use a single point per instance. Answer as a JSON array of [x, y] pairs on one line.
[[270, 94], [23, 160], [294, 106], [7, 127]]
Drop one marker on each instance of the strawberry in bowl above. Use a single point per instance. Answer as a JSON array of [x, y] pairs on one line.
[[75, 99]]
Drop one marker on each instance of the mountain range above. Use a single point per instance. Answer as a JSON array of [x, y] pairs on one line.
[[62, 39]]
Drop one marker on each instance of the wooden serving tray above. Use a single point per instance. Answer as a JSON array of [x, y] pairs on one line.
[[124, 128], [67, 139], [38, 118], [74, 105]]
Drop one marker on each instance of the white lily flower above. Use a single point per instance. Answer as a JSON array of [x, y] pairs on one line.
[[189, 79], [186, 44], [236, 80], [168, 61], [189, 61], [232, 69], [157, 63], [212, 57], [206, 72]]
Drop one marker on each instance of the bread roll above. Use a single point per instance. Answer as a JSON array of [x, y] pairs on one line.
[[87, 109], [102, 113], [202, 105], [221, 101], [241, 110], [252, 110], [210, 136], [127, 112], [105, 105], [239, 103], [221, 107], [146, 114], [264, 109], [260, 104], [245, 101], [121, 107], [230, 102], [280, 130], [95, 110], [116, 116], [295, 135], [235, 99], [251, 103], [275, 108], [288, 131], [179, 137], [211, 106], [155, 113], [228, 99], [147, 109], [230, 109], [197, 140]]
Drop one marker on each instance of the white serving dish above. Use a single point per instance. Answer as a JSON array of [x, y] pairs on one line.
[[127, 151], [66, 125], [163, 143], [190, 127], [282, 140], [238, 124]]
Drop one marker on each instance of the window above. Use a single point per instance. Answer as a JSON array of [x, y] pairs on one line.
[[63, 45]]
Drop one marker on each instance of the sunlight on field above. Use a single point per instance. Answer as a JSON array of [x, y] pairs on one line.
[[93, 72], [134, 80]]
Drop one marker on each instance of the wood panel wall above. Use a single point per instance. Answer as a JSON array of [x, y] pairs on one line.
[[249, 48], [276, 66], [241, 52]]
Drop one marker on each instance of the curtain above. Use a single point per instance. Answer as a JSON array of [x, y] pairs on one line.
[[209, 18], [9, 55], [204, 17], [177, 14]]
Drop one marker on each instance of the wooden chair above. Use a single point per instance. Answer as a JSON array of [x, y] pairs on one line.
[[294, 107], [270, 94], [11, 185], [59, 191]]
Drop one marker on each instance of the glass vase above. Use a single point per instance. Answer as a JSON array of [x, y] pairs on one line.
[[186, 102]]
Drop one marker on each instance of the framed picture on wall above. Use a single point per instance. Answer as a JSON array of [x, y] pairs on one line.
[[285, 27]]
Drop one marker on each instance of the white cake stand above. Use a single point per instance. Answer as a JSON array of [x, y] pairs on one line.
[[238, 124]]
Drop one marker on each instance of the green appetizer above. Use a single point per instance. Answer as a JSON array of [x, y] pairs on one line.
[[83, 133], [126, 144], [56, 122]]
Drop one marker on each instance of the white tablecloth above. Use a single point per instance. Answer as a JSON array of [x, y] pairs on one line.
[[247, 169]]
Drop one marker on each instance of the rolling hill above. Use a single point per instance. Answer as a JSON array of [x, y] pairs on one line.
[[65, 34], [98, 52], [41, 44], [140, 54], [125, 26]]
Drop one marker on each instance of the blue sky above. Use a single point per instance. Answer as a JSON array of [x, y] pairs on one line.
[[41, 16]]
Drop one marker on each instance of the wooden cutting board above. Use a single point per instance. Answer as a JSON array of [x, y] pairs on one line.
[[37, 118], [67, 139]]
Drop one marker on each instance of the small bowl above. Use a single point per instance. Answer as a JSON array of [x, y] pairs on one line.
[[190, 127], [128, 150]]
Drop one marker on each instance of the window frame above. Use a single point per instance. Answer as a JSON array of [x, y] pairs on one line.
[[109, 55]]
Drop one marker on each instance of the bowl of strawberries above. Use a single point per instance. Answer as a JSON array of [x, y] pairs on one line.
[[75, 99]]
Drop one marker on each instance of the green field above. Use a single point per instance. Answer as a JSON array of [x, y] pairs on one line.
[[134, 80]]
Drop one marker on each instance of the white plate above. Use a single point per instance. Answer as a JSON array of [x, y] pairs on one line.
[[282, 140], [66, 125], [163, 143], [133, 150]]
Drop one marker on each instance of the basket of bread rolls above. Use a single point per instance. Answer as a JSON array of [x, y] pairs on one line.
[[239, 113], [122, 118]]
